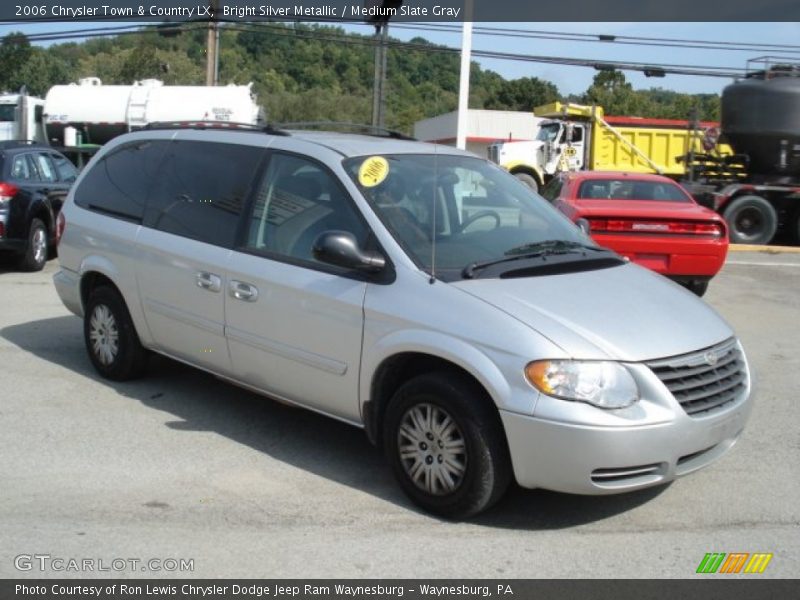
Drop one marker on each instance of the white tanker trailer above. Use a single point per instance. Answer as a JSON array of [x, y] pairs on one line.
[[92, 113]]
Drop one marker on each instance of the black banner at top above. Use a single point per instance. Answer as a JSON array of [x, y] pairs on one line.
[[449, 11]]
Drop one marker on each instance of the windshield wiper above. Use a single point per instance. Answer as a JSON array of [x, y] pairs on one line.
[[531, 250], [548, 246]]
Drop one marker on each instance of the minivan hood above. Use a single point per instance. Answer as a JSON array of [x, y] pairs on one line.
[[624, 313]]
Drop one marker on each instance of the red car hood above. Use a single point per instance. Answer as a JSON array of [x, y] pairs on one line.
[[644, 209]]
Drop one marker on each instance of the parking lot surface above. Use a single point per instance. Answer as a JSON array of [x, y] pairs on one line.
[[180, 465]]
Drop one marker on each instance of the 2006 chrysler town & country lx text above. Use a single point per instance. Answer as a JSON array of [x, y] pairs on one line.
[[414, 290]]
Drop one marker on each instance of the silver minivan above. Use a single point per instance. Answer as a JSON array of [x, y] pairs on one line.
[[413, 290]]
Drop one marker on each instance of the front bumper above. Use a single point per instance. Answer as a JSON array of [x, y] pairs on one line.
[[661, 443]]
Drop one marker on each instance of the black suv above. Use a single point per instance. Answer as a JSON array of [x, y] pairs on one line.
[[34, 181]]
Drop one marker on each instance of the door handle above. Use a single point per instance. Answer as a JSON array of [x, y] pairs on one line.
[[243, 291], [208, 281]]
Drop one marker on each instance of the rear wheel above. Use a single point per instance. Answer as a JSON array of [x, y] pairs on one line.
[[528, 180], [751, 220], [111, 339], [446, 445], [35, 255]]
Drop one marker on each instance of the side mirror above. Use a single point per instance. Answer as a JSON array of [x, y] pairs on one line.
[[583, 225], [340, 248]]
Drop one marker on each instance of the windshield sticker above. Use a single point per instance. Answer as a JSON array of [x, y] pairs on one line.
[[373, 171]]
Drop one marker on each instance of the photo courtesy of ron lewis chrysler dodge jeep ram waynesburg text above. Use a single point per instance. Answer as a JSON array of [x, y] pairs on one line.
[[413, 290]]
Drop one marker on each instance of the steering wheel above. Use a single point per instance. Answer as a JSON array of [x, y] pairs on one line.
[[480, 215]]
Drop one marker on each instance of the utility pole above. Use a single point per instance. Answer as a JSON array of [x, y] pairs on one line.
[[381, 11], [212, 46], [463, 86], [379, 83]]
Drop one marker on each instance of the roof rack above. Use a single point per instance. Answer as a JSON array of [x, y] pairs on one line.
[[343, 125], [225, 125], [18, 143]]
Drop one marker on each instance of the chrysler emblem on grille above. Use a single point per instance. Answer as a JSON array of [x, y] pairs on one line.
[[711, 358]]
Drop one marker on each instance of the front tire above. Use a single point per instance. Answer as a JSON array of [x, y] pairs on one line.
[[35, 255], [528, 180], [446, 445], [110, 336], [751, 220]]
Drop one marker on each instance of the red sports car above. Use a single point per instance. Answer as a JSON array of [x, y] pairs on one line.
[[648, 218]]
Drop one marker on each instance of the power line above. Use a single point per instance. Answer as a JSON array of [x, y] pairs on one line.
[[311, 33], [677, 69], [604, 38]]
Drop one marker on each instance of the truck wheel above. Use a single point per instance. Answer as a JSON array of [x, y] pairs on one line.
[[446, 445], [111, 339], [528, 180], [36, 251], [751, 220]]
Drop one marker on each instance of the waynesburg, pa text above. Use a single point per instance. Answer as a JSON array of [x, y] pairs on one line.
[[216, 591]]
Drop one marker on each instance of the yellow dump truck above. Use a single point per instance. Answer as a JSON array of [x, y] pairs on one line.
[[575, 137]]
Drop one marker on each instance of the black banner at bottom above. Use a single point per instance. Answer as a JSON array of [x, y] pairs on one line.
[[705, 587]]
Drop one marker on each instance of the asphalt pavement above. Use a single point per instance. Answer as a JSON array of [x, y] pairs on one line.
[[181, 466]]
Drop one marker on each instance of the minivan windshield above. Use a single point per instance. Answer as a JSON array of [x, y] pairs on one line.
[[474, 211]]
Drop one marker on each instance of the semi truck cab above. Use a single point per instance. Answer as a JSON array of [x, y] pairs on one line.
[[21, 118]]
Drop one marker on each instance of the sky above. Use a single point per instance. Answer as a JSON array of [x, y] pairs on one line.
[[571, 79]]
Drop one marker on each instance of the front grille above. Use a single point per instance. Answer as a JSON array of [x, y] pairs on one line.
[[706, 380]]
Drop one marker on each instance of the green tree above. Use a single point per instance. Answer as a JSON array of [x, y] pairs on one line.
[[142, 63], [40, 72], [15, 50], [522, 94], [612, 91]]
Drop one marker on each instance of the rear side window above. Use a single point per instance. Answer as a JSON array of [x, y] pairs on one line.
[[21, 168], [118, 184], [66, 171], [44, 167], [201, 189]]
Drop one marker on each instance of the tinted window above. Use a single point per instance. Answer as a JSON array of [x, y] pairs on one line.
[[297, 200], [631, 189], [66, 171], [44, 167], [119, 183], [20, 167], [201, 189]]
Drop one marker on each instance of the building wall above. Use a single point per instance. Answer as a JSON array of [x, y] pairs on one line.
[[483, 128]]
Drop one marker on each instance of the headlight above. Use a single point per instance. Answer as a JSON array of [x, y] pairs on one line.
[[603, 384]]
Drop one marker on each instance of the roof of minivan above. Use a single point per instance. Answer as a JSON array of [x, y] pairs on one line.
[[351, 144]]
